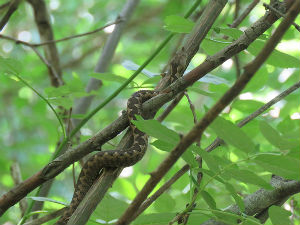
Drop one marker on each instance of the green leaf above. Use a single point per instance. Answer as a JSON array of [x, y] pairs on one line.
[[280, 165], [110, 208], [154, 219], [248, 177], [279, 216], [258, 81], [43, 199], [108, 77], [231, 218], [52, 92], [275, 138], [178, 24], [232, 134], [231, 32], [157, 130], [211, 46], [152, 80], [9, 66], [209, 199], [129, 65], [247, 106], [202, 92], [238, 200], [78, 116], [211, 174], [207, 157], [165, 203], [187, 156], [66, 102], [277, 58], [212, 79]]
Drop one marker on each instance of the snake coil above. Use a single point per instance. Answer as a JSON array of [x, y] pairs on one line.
[[113, 158]]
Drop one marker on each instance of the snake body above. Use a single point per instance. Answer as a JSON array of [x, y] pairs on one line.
[[113, 158]]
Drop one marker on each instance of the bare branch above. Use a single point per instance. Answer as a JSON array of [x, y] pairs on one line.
[[46, 218], [13, 6], [17, 178], [244, 14], [280, 14], [217, 142], [263, 199], [46, 33], [108, 51]]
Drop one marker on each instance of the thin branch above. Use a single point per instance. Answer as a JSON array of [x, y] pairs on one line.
[[17, 178], [192, 107], [170, 107], [217, 142], [13, 6], [44, 60], [83, 104], [118, 20], [280, 14], [42, 20], [4, 5], [161, 190], [244, 14], [47, 217]]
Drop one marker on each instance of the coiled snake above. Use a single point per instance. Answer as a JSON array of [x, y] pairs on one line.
[[113, 158]]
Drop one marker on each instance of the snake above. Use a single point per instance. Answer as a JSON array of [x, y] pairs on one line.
[[111, 158]]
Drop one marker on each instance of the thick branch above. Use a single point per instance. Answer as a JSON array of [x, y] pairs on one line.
[[263, 199]]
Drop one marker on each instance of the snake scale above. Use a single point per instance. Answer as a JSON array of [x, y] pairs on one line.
[[113, 158]]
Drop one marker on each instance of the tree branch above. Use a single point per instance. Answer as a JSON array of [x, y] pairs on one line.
[[263, 199], [46, 33], [57, 166], [198, 129], [13, 6]]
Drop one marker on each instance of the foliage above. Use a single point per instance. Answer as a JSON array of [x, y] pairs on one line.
[[268, 144]]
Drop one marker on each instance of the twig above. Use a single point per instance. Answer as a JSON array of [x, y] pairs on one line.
[[4, 5], [118, 20], [105, 58], [236, 9], [161, 190], [192, 107], [44, 60], [217, 142], [280, 14], [170, 107], [13, 6], [42, 21], [245, 13], [17, 178], [47, 217]]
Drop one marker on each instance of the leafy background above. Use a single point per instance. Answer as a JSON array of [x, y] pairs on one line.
[[30, 130]]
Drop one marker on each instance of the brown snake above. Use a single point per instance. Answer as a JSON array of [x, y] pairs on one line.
[[113, 158]]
